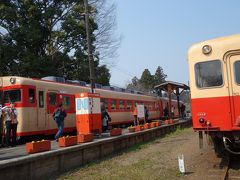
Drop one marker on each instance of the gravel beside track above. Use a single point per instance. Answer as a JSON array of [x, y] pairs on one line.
[[234, 168]]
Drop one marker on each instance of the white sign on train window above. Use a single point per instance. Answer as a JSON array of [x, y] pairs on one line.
[[140, 111], [82, 104], [88, 105]]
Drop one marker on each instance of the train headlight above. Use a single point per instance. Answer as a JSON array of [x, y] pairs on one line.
[[202, 120], [206, 49], [12, 80]]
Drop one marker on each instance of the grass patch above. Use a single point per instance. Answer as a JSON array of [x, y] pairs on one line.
[[145, 160], [138, 146], [178, 131]]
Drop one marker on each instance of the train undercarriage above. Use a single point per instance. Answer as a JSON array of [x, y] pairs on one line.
[[224, 142]]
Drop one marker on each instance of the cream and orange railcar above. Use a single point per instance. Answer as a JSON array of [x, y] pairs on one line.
[[36, 100], [214, 68]]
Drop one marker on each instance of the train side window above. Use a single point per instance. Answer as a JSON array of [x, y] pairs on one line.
[[208, 74], [41, 99], [237, 72], [31, 95], [146, 104], [129, 105], [113, 103], [121, 104], [150, 107], [52, 99], [66, 102]]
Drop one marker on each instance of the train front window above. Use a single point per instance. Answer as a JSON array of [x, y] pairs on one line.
[[208, 74], [12, 96]]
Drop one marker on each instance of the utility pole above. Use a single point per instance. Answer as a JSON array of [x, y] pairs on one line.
[[90, 55]]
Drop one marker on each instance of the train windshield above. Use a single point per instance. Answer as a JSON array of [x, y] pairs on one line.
[[208, 74], [12, 96]]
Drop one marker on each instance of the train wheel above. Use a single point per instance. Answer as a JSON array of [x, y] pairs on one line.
[[218, 146]]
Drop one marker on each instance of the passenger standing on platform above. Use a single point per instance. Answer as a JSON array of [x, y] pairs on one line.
[[59, 115], [182, 108], [11, 123], [165, 112], [134, 113], [146, 114], [105, 118], [172, 111]]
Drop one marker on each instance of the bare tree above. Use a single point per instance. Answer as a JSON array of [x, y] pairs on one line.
[[107, 42]]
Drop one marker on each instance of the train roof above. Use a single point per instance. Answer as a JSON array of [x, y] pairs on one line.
[[219, 47], [109, 92]]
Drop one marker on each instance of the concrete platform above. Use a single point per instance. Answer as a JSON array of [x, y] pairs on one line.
[[15, 163]]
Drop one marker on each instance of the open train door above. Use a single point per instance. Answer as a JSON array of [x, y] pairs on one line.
[[41, 109], [234, 92]]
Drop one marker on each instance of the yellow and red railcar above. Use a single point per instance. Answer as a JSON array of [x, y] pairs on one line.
[[214, 71], [36, 99]]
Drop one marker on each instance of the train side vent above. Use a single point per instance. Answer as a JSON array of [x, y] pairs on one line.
[[98, 86], [54, 78], [82, 83], [128, 91], [106, 87], [76, 82]]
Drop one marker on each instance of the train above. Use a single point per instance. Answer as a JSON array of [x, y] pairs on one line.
[[214, 74], [36, 100]]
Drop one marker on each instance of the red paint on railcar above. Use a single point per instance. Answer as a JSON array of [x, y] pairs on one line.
[[214, 110]]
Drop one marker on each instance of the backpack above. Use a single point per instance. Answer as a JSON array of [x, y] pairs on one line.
[[57, 114]]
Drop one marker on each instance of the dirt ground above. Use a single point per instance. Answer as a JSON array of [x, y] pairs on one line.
[[157, 159]]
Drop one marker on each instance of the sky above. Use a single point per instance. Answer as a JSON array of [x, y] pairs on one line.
[[159, 33]]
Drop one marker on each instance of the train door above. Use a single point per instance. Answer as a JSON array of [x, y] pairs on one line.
[[52, 102], [41, 109], [234, 74]]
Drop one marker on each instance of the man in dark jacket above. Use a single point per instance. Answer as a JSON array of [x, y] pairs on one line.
[[59, 115]]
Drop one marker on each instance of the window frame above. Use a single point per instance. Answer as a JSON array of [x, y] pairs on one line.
[[56, 103], [20, 100], [65, 106], [41, 94], [234, 72], [113, 109], [120, 104], [34, 95], [211, 87]]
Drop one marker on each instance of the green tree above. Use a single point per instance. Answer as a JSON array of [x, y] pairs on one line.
[[159, 76], [147, 80], [134, 85], [40, 38]]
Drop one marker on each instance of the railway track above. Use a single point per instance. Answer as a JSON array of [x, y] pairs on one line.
[[233, 171], [218, 168]]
